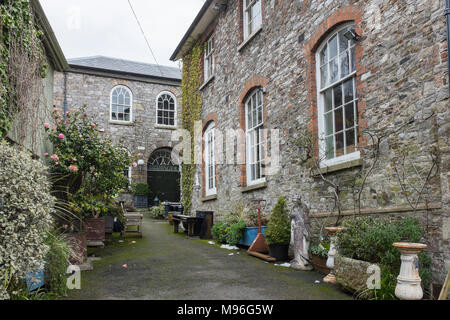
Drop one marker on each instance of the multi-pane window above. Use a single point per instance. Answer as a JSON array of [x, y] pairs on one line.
[[254, 112], [209, 157], [209, 59], [121, 104], [252, 16], [338, 101], [166, 109]]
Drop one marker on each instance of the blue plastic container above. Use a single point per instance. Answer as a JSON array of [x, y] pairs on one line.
[[35, 280], [250, 234]]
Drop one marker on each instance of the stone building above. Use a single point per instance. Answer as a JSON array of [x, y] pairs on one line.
[[134, 103], [366, 81]]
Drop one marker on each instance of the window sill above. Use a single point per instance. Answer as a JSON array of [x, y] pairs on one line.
[[249, 38], [203, 86], [254, 187], [121, 123], [159, 126], [339, 167], [209, 198]]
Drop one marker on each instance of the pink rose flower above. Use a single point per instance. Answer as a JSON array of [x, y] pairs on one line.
[[54, 157], [74, 159], [55, 109], [80, 136], [140, 155], [56, 163], [46, 154], [93, 125], [46, 126], [135, 164], [73, 168], [61, 136]]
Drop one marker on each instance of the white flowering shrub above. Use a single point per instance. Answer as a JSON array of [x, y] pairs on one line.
[[26, 207]]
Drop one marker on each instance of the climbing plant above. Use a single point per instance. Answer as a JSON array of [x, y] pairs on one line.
[[22, 63], [191, 112]]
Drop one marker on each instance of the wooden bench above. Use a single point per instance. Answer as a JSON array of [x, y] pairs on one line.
[[133, 219], [188, 220]]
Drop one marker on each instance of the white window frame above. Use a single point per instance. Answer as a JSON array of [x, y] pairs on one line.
[[210, 160], [209, 59], [251, 132], [124, 105], [321, 107], [175, 113], [248, 6]]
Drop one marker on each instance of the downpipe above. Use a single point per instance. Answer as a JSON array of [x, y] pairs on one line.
[[447, 16]]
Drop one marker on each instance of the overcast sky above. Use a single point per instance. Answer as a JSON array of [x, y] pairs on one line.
[[107, 27]]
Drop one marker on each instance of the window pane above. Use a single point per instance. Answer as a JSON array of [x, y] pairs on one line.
[[334, 71], [329, 123], [127, 117], [115, 98], [337, 92], [349, 116], [350, 136], [340, 144], [338, 120], [344, 64], [127, 110], [121, 99], [257, 16], [348, 90], [328, 100], [160, 120], [329, 142], [324, 76], [353, 59], [324, 56], [120, 117], [333, 47], [343, 42]]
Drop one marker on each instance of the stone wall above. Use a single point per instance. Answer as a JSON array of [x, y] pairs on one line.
[[143, 135], [403, 94]]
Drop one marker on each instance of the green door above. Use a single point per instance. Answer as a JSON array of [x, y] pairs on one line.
[[163, 177]]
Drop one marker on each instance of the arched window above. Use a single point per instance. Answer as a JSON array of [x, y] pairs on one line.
[[161, 160], [209, 160], [337, 98], [121, 104], [254, 119], [166, 109]]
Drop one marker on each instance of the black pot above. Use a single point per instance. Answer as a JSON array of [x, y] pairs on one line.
[[279, 251]]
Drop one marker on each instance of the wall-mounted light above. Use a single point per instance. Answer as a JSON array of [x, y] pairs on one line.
[[141, 164], [219, 6], [352, 35]]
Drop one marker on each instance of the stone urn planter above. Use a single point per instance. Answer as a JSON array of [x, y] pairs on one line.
[[408, 281], [331, 278]]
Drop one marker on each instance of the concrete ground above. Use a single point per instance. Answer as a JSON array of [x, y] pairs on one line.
[[165, 266]]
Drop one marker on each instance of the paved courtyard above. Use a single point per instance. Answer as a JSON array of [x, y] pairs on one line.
[[166, 266]]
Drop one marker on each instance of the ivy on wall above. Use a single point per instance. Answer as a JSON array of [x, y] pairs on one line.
[[22, 59], [191, 112]]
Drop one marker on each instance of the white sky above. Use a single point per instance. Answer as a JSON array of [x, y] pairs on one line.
[[108, 27]]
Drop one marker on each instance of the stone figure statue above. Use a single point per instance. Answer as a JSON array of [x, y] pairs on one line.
[[300, 236]]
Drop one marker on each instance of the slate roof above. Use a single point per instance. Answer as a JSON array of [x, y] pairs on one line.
[[109, 64]]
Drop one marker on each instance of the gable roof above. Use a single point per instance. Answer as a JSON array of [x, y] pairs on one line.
[[121, 66]]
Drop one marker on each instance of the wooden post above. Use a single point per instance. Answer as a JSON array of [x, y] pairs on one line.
[[445, 288]]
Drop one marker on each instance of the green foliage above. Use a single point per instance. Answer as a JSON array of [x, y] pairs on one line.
[[369, 239], [141, 189], [219, 232], [279, 227], [191, 112], [26, 208], [158, 212], [235, 232], [56, 263], [17, 30], [320, 250]]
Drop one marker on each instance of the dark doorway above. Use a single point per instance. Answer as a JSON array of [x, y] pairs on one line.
[[163, 177]]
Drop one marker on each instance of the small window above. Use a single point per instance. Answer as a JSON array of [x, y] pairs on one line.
[[252, 17], [209, 158], [337, 99], [166, 109], [209, 59], [254, 116], [121, 104]]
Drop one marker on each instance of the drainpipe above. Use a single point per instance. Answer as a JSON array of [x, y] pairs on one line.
[[447, 15], [65, 93]]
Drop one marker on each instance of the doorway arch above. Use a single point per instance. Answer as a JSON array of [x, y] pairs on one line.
[[163, 176]]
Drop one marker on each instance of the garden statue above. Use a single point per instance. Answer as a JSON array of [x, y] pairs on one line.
[[300, 236]]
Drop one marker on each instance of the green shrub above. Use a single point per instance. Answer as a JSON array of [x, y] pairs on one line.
[[158, 212], [320, 250], [141, 189], [279, 227], [369, 239], [56, 263], [235, 232], [26, 208], [219, 232]]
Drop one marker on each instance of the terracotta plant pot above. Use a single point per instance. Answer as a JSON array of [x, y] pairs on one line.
[[320, 264], [95, 229], [279, 251], [78, 246]]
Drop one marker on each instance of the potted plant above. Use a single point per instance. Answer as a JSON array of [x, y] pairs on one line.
[[141, 195], [278, 233], [319, 255], [251, 227], [158, 212]]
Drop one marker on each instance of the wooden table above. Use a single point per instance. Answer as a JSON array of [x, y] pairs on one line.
[[190, 221]]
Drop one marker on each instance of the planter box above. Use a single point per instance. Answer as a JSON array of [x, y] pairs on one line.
[[352, 274], [95, 229], [35, 280], [250, 234], [109, 224], [78, 245], [279, 251], [141, 201], [320, 264]]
